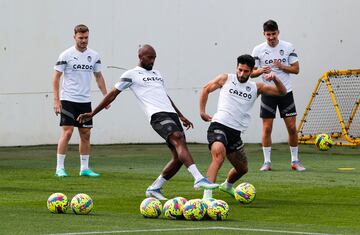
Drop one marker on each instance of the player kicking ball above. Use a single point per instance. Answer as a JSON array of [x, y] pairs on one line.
[[148, 86], [233, 115]]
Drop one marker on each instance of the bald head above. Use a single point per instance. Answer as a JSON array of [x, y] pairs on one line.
[[147, 55]]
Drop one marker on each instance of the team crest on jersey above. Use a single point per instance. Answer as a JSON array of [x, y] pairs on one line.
[[89, 58], [248, 89], [281, 52]]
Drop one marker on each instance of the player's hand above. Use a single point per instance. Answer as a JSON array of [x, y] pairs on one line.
[[266, 69], [269, 77], [204, 116], [186, 123], [278, 64], [57, 108], [82, 118]]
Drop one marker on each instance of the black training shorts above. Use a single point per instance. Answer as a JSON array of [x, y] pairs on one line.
[[231, 138], [285, 103], [165, 124], [71, 110]]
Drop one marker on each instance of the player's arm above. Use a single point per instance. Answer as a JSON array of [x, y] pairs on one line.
[[110, 97], [184, 120], [56, 88], [292, 68], [211, 86], [269, 89], [259, 71]]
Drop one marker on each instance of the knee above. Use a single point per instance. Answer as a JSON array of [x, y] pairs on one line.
[[67, 134], [176, 137], [292, 130], [218, 154]]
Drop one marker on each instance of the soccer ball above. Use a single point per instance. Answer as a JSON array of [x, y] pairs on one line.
[[82, 204], [323, 142], [173, 208], [194, 209], [150, 207], [245, 193], [218, 210], [57, 203]]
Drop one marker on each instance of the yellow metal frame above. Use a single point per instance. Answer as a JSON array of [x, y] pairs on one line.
[[342, 138]]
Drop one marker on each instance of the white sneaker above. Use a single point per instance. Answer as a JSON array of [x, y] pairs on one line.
[[156, 193], [204, 183]]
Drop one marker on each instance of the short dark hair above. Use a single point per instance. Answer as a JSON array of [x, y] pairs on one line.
[[270, 25], [81, 28], [246, 59]]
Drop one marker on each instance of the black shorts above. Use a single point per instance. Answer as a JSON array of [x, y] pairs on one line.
[[165, 124], [231, 138], [285, 103], [71, 110]]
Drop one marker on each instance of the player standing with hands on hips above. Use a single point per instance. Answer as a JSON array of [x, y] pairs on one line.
[[278, 57], [233, 115], [149, 88], [77, 64]]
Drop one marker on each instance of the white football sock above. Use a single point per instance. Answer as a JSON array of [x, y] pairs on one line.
[[158, 183], [207, 193], [84, 162], [294, 153], [227, 184], [267, 153], [60, 159], [195, 172]]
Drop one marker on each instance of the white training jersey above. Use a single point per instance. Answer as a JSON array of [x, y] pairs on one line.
[[149, 88], [235, 102], [265, 55], [77, 68]]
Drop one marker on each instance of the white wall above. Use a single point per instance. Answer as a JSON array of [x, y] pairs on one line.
[[195, 41]]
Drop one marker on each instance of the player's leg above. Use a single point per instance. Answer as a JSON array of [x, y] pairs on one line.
[[168, 126], [67, 122], [84, 144], [62, 147], [288, 113], [267, 113], [240, 167], [171, 168]]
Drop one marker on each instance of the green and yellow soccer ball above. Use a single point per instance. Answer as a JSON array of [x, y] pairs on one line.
[[173, 208], [245, 193], [150, 207], [218, 210], [194, 209], [57, 203], [323, 142], [82, 204]]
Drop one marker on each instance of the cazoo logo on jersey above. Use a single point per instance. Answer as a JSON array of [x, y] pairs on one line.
[[240, 93], [283, 60], [152, 79], [82, 67]]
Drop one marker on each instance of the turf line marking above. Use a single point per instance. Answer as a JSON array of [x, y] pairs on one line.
[[189, 229]]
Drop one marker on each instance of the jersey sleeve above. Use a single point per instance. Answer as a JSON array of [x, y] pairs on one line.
[[126, 80], [293, 57], [255, 54], [97, 65], [61, 63]]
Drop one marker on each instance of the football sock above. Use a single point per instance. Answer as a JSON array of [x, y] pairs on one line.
[[294, 153], [195, 172], [158, 183], [84, 162], [227, 184], [267, 153], [60, 159], [207, 193]]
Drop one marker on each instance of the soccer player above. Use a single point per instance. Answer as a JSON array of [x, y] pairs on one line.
[[280, 58], [77, 64], [148, 86], [236, 99]]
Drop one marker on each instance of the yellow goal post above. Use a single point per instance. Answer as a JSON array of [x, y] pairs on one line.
[[333, 109]]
